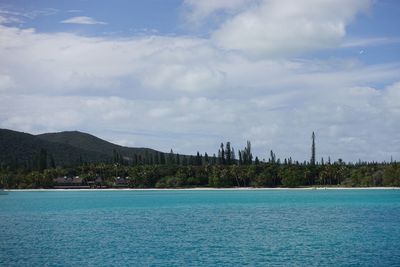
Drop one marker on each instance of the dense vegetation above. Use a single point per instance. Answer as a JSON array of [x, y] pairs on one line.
[[66, 149], [149, 168]]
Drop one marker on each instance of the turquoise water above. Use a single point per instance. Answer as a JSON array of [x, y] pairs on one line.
[[201, 228]]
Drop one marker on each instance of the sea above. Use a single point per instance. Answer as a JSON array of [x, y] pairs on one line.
[[200, 228]]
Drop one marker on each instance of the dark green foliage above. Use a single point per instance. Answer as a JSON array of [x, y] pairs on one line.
[[246, 155], [97, 146], [171, 158], [162, 158], [21, 150], [312, 161], [391, 175], [228, 156], [199, 159], [256, 175], [52, 162], [27, 161], [293, 176], [272, 158], [42, 159], [206, 159], [222, 155], [67, 149]]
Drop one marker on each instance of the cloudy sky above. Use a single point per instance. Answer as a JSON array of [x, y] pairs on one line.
[[188, 74]]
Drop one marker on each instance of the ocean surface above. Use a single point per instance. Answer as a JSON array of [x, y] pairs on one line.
[[201, 228]]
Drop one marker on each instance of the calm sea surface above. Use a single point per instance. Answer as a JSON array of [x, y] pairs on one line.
[[201, 228]]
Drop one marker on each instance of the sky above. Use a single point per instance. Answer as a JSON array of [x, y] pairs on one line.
[[188, 74]]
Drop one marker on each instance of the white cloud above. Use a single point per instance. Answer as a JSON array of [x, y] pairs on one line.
[[281, 27], [183, 77], [74, 11], [391, 98], [9, 19], [170, 65], [188, 94], [6, 82], [163, 63], [21, 16], [83, 20], [350, 123]]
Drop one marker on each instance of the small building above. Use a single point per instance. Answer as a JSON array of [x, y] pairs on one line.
[[121, 182], [96, 183], [69, 182]]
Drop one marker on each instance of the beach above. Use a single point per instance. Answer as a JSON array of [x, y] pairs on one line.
[[209, 188]]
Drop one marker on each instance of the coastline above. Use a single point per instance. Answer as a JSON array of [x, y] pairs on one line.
[[205, 189]]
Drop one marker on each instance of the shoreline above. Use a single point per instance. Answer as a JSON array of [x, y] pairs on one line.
[[205, 189]]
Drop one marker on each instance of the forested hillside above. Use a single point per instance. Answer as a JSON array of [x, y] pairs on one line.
[[29, 161], [94, 144], [65, 149], [26, 151]]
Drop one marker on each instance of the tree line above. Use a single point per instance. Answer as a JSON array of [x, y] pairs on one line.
[[224, 169]]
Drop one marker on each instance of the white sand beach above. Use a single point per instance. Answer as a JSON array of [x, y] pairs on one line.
[[210, 189]]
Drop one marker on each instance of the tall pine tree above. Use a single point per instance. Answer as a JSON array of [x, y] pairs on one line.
[[312, 161], [228, 153]]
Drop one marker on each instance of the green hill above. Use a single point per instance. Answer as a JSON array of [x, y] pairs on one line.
[[25, 150], [94, 144]]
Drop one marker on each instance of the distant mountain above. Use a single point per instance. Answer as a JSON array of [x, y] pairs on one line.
[[64, 149]]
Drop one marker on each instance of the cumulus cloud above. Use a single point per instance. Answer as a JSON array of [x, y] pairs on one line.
[[83, 20], [281, 27], [163, 63]]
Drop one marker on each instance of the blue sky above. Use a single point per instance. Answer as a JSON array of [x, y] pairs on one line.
[[189, 74], [123, 18]]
